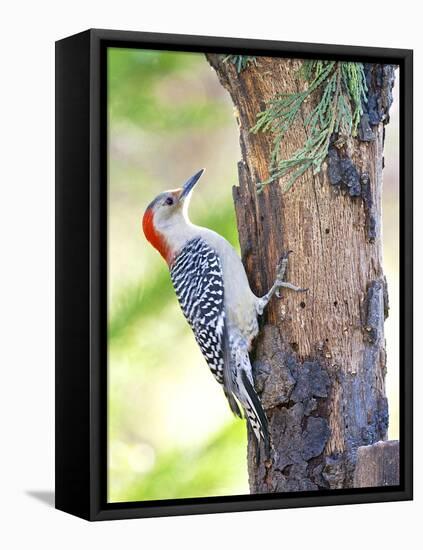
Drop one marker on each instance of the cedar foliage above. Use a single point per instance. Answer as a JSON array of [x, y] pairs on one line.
[[341, 90], [241, 62]]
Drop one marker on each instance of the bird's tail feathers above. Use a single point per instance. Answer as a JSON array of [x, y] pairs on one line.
[[228, 385], [239, 390], [255, 413], [233, 404]]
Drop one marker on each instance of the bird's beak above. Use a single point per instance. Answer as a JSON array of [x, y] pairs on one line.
[[189, 185]]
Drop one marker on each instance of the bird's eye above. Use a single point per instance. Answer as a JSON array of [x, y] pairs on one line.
[[169, 201]]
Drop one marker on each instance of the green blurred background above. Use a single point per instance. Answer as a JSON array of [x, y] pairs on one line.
[[170, 431]]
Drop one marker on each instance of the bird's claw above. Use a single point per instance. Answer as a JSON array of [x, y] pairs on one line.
[[282, 264], [285, 255]]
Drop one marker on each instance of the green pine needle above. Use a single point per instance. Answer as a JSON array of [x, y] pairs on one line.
[[343, 91], [241, 62]]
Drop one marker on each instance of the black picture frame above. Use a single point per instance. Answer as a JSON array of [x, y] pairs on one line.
[[81, 273]]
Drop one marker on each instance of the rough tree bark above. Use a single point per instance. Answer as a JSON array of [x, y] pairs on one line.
[[319, 362]]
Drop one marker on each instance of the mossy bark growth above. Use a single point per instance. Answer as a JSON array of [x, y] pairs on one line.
[[319, 361]]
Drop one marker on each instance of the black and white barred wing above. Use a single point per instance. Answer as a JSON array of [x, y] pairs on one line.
[[198, 281]]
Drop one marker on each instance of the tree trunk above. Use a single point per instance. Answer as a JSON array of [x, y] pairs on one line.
[[319, 361]]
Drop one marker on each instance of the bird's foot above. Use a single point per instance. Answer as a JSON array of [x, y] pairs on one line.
[[282, 265], [280, 276]]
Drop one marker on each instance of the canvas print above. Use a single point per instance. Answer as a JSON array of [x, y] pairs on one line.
[[253, 275]]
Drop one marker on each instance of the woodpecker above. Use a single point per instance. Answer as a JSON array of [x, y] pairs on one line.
[[215, 297]]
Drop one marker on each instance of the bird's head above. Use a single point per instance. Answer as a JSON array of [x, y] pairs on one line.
[[166, 218]]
